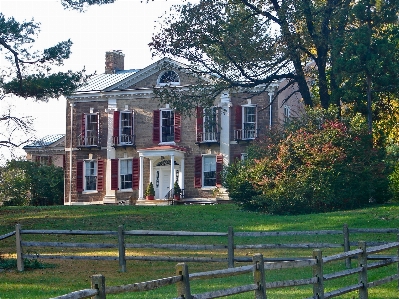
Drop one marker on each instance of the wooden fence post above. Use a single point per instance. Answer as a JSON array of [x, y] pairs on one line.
[[183, 286], [20, 260], [98, 283], [259, 276], [230, 248], [347, 246], [362, 262], [121, 247], [318, 288]]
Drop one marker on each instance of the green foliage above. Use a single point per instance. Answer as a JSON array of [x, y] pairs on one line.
[[322, 164], [11, 264], [150, 191], [28, 183], [176, 188]]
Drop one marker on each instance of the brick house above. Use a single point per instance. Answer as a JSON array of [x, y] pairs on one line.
[[47, 150], [119, 138]]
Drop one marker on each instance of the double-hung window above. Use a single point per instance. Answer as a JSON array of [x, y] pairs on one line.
[[207, 125], [123, 133], [167, 126], [126, 173], [90, 129], [90, 174], [249, 122], [207, 171], [246, 122]]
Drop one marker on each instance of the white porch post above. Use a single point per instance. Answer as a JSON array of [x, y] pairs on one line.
[[110, 194], [182, 173], [151, 170], [141, 181], [172, 171]]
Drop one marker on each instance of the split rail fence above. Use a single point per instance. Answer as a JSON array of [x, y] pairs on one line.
[[183, 278], [229, 237]]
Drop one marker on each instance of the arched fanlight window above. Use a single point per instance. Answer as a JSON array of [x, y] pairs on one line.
[[169, 78]]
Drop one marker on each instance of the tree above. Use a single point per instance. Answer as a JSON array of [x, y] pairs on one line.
[[244, 43], [29, 183], [31, 72]]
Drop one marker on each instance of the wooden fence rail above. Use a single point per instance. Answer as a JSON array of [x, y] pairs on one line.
[[259, 286], [119, 242]]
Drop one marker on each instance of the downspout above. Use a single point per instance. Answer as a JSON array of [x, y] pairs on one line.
[[270, 109], [70, 157]]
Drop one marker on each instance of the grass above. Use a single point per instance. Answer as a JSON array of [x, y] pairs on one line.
[[71, 275]]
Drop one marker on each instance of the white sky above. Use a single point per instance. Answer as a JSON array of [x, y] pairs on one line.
[[126, 25]]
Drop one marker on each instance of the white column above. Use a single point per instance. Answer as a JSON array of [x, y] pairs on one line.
[[141, 181], [225, 127], [151, 177], [182, 173], [110, 194], [172, 171]]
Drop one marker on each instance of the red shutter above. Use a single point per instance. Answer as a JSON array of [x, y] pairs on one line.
[[156, 127], [177, 127], [83, 128], [200, 123], [238, 117], [79, 176], [115, 134], [219, 168], [114, 174], [100, 175], [198, 172], [50, 160], [136, 173]]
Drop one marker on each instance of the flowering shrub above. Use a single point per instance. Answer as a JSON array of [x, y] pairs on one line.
[[313, 169]]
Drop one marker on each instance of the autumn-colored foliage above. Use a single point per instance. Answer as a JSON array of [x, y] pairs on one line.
[[331, 166]]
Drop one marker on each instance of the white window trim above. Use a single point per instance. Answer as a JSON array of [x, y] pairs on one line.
[[169, 83], [120, 126], [244, 118], [85, 191], [120, 190], [203, 171], [214, 110], [160, 127]]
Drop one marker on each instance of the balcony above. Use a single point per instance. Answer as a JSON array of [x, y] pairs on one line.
[[245, 134], [88, 141], [124, 140], [208, 137]]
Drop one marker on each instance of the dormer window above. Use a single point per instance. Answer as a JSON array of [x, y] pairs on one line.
[[168, 78]]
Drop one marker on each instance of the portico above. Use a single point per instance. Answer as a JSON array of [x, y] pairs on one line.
[[166, 167]]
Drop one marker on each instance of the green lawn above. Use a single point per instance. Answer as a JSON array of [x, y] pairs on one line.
[[71, 275]]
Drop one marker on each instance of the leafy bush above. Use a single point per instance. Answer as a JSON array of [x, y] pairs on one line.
[[29, 183], [321, 165]]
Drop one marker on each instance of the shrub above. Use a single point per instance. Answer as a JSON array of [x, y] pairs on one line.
[[320, 167]]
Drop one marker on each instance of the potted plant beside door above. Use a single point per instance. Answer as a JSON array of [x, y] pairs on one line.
[[150, 192], [176, 191]]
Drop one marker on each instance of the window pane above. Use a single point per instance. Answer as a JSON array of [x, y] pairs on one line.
[[209, 172], [167, 122], [90, 175]]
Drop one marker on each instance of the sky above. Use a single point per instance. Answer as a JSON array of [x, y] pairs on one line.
[[126, 25]]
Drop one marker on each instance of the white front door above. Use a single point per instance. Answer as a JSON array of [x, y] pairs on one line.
[[164, 182]]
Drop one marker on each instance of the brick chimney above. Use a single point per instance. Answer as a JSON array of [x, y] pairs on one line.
[[114, 61]]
